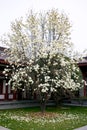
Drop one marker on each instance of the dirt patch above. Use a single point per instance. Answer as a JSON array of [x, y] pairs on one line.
[[42, 115]]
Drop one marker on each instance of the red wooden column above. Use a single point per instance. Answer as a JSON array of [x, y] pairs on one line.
[[14, 95], [85, 84], [84, 90], [2, 95]]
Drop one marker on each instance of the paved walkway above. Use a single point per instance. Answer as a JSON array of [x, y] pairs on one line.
[[3, 128], [82, 128]]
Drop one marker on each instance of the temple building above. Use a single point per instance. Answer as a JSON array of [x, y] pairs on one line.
[[5, 90], [6, 93]]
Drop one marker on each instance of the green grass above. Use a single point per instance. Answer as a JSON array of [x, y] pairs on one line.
[[62, 118]]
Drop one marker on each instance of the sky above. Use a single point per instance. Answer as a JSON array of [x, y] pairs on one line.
[[75, 9]]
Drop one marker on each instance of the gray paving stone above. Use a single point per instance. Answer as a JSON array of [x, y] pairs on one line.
[[82, 128], [3, 128]]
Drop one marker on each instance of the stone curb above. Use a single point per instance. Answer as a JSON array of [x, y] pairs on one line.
[[3, 128], [82, 128]]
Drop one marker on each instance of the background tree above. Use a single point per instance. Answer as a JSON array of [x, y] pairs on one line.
[[39, 53]]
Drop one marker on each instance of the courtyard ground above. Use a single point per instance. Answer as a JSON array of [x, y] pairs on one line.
[[61, 118]]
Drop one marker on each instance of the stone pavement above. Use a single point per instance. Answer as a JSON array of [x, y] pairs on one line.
[[82, 128], [3, 128]]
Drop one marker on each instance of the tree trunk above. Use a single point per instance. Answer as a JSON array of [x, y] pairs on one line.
[[43, 106]]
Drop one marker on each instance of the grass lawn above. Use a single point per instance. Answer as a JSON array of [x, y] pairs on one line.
[[63, 118]]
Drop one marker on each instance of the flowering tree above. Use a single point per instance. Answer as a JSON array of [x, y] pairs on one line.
[[39, 55]]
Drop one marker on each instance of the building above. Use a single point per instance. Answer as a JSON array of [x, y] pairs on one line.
[[6, 93], [5, 90]]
